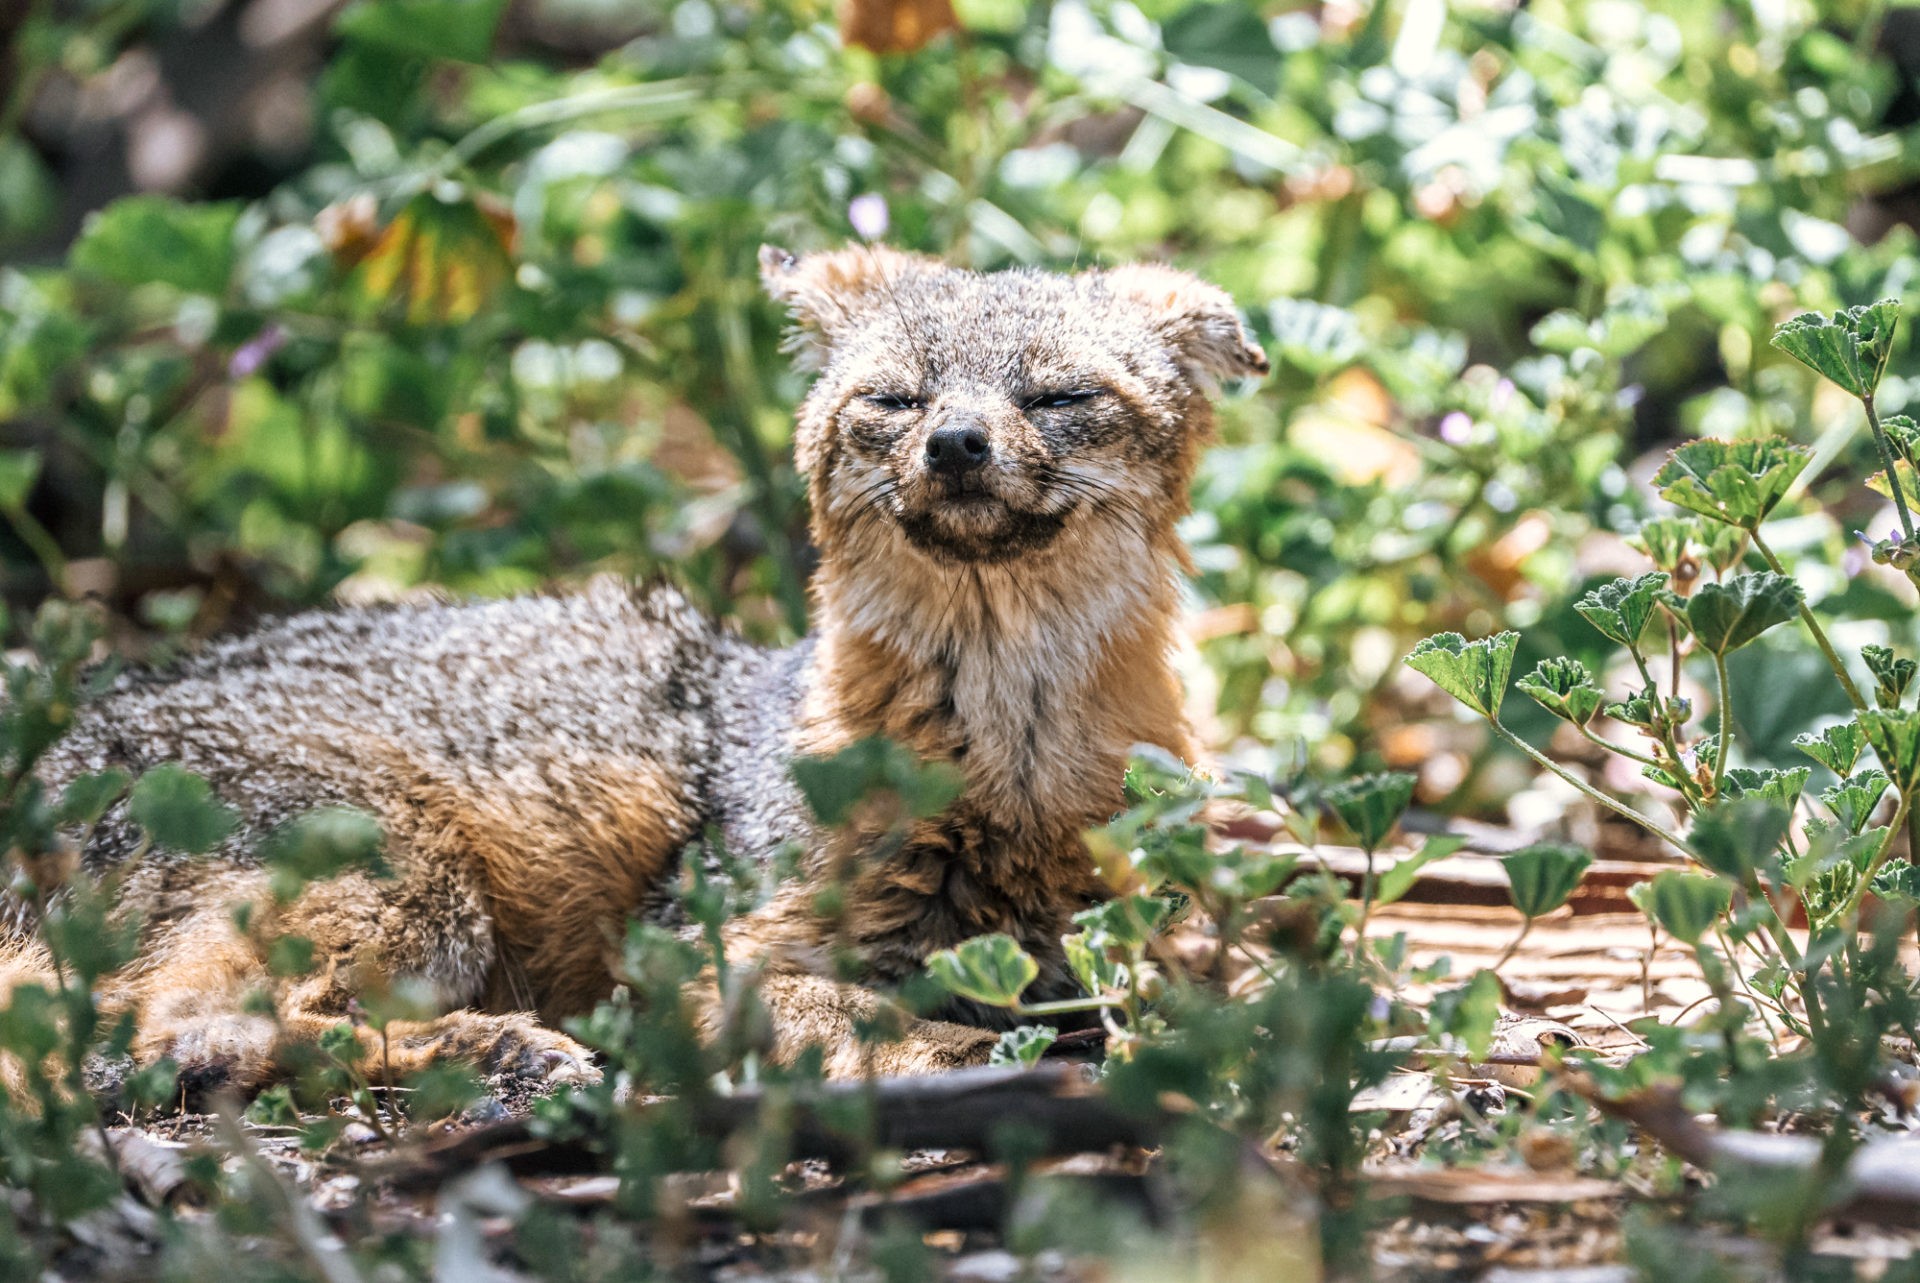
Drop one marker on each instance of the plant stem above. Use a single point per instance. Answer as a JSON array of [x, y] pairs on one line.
[[1612, 804], [1513, 946], [1621, 749], [1887, 462], [1726, 723], [1813, 626], [1689, 791], [1063, 1006]]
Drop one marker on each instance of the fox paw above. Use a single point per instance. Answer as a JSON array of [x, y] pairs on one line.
[[527, 1051]]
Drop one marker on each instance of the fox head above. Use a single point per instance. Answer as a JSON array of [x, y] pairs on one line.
[[984, 419]]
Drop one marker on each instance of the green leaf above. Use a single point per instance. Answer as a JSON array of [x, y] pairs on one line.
[[993, 970], [874, 768], [1895, 736], [1564, 688], [1023, 1046], [1621, 609], [1664, 540], [1781, 787], [1904, 433], [179, 811], [1314, 338], [87, 797], [1850, 347], [1470, 1012], [1898, 882], [1726, 616], [1126, 921], [1542, 877], [1891, 676], [323, 843], [1738, 482], [1397, 881], [1737, 838], [144, 240], [457, 29], [1853, 800], [19, 470], [1370, 805], [1835, 747], [1475, 673], [1686, 905]]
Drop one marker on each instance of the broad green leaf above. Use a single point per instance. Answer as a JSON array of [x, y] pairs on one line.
[[1908, 477], [1642, 708], [322, 843], [1850, 347], [1726, 616], [1470, 1012], [1891, 675], [151, 240], [1564, 688], [1313, 337], [19, 469], [1475, 673], [1853, 800], [1737, 838], [458, 29], [1904, 433], [87, 797], [1898, 882], [1621, 609], [876, 768], [1686, 905], [1781, 787], [1023, 1046], [1895, 736], [1370, 805], [1126, 921], [1542, 877], [993, 970], [443, 259], [1097, 970], [179, 811], [1665, 541], [1738, 482], [1835, 747], [1397, 881]]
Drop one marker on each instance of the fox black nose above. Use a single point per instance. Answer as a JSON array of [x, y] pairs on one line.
[[956, 451]]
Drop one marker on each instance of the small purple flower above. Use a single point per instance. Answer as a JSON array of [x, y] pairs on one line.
[[1501, 395], [251, 355], [1456, 428], [868, 214]]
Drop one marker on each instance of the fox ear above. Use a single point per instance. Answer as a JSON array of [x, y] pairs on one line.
[[826, 291], [1199, 321]]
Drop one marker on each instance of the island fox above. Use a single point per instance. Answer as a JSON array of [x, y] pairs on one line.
[[996, 463]]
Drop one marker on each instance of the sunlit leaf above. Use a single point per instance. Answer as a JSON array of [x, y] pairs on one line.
[[1370, 805], [1738, 482], [1726, 616], [1475, 673], [144, 240], [1895, 736], [1781, 787], [1564, 688], [1892, 675], [1023, 1046], [1397, 881], [1835, 747], [1542, 877], [1313, 337], [1686, 905], [1737, 838], [992, 969], [1621, 609], [442, 259], [1850, 347], [1853, 800], [1470, 1012]]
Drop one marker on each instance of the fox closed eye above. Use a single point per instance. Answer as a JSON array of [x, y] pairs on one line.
[[895, 401], [1059, 400]]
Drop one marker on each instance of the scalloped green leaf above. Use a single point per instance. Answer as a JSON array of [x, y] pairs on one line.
[[1475, 673], [1621, 609], [1853, 799], [1837, 747], [1895, 736], [1726, 616], [992, 969], [1891, 674], [1738, 482], [1686, 905], [1782, 787], [1739, 837], [1544, 876], [1850, 347], [1564, 688], [1370, 805]]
